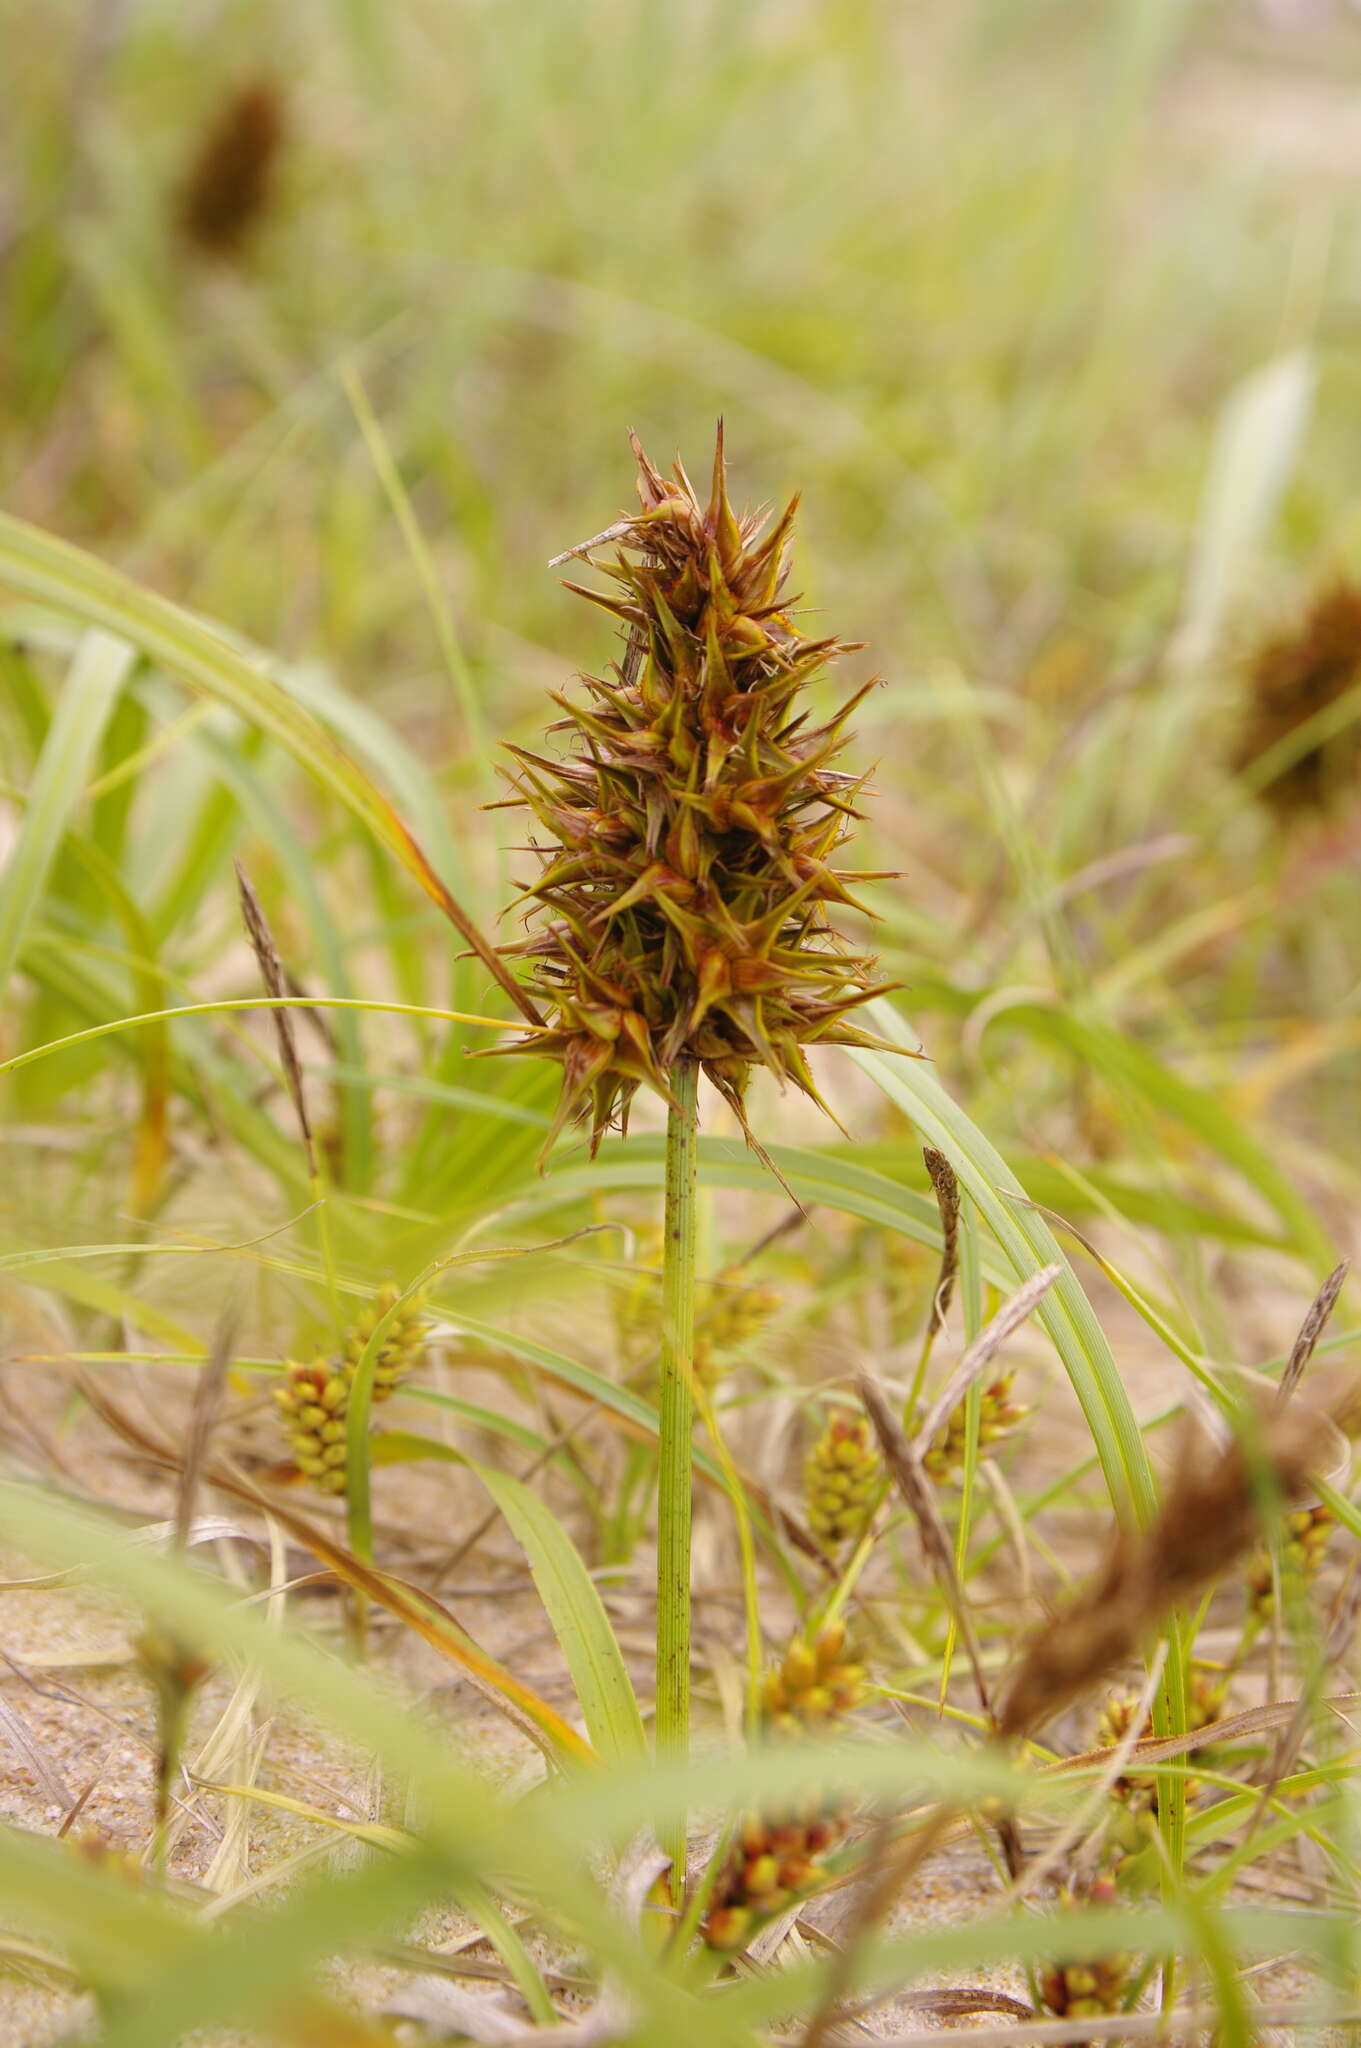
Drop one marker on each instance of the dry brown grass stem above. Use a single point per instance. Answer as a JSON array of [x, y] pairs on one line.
[[982, 1351], [1311, 1329], [276, 985], [906, 1471]]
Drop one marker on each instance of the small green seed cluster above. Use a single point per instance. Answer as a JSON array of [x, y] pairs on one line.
[[998, 1415], [1306, 1535], [813, 1683], [776, 1856], [773, 1862], [1084, 1990], [730, 1309], [314, 1399], [401, 1350], [841, 1479], [1204, 1706]]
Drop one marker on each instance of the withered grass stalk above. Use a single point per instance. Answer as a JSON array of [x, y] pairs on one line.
[[1211, 1515]]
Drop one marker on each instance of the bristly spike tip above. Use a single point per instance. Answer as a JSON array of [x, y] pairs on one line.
[[691, 826]]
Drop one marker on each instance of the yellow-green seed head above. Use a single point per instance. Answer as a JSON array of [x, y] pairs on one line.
[[813, 1683], [729, 1312], [1082, 1990], [841, 1479], [998, 1416], [403, 1347], [1305, 1536]]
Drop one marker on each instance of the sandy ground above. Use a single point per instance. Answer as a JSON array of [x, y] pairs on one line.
[[87, 1718]]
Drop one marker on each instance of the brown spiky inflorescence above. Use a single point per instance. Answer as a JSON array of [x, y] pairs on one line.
[[231, 178], [692, 825], [1211, 1515], [314, 1399], [998, 1416], [1295, 675], [776, 1856], [842, 1479]]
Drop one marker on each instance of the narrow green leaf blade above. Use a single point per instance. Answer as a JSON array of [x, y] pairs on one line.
[[97, 675], [578, 1617]]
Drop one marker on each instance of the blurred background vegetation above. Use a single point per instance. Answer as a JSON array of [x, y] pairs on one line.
[[1050, 311]]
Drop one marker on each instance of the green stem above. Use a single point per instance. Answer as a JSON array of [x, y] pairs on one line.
[[677, 1423]]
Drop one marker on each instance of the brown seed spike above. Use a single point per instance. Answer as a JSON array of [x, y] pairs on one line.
[[1295, 677], [231, 178], [689, 832]]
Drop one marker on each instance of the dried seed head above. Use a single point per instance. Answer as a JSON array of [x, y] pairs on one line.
[[230, 179], [1295, 675], [842, 1477], [691, 829]]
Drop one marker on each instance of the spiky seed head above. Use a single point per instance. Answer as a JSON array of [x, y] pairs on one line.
[[687, 837], [1299, 672], [841, 1479]]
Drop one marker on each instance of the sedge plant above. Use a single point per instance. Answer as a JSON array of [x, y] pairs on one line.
[[687, 840]]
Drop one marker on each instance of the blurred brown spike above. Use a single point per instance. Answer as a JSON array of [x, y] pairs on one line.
[[202, 1421], [1305, 669], [276, 985], [231, 177], [1312, 1329], [947, 1199], [1212, 1512]]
